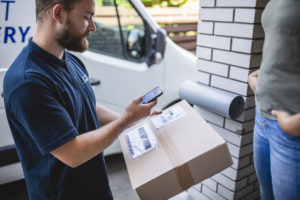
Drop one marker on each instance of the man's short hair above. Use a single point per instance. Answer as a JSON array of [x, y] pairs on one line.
[[42, 6]]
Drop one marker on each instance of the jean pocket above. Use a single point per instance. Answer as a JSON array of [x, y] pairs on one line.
[[287, 135]]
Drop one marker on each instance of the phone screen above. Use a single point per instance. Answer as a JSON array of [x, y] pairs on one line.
[[150, 96]]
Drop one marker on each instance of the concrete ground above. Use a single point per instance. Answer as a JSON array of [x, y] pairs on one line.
[[118, 177]]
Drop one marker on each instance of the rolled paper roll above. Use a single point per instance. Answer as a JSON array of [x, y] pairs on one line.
[[212, 99]]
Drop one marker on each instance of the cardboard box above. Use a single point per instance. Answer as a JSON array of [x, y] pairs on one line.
[[188, 151]]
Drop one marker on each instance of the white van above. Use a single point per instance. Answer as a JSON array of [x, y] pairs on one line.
[[128, 56]]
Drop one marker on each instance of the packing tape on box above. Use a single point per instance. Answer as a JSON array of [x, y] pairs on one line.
[[182, 172], [212, 99], [184, 176]]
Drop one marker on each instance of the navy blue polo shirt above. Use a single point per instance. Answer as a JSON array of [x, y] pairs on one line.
[[48, 102]]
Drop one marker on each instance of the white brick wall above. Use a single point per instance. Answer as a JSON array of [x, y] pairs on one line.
[[212, 195], [229, 85], [203, 78], [213, 41], [210, 117], [228, 135], [228, 57], [253, 196], [204, 53], [238, 127], [205, 27], [242, 45], [247, 15], [241, 162], [228, 183], [230, 40], [207, 3], [211, 184], [212, 67], [239, 74], [216, 14], [241, 3], [235, 30]]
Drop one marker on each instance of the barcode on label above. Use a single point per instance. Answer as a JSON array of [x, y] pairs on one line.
[[129, 146], [144, 138]]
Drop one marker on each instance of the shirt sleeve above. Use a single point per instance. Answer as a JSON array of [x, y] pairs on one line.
[[42, 117]]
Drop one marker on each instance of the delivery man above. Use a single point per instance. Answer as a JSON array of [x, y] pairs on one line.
[[59, 130]]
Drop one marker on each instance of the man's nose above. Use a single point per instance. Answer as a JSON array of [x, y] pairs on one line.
[[91, 26]]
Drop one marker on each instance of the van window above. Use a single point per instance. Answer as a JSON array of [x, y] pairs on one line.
[[119, 32]]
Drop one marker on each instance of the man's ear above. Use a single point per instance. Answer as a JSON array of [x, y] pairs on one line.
[[57, 13]]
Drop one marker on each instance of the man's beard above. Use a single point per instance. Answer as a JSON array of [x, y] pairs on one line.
[[72, 41]]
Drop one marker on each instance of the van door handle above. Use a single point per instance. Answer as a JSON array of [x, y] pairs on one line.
[[95, 82]]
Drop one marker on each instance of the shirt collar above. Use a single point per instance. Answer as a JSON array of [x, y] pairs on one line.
[[49, 58]]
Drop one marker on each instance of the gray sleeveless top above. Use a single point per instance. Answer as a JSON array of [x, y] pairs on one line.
[[279, 78]]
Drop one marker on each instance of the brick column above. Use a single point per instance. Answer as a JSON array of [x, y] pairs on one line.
[[229, 45]]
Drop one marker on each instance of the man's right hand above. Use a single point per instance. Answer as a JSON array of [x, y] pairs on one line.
[[135, 110], [252, 80]]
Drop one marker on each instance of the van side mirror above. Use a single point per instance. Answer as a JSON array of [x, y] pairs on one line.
[[161, 42], [158, 43]]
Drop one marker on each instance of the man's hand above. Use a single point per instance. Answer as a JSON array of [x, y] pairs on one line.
[[287, 122], [135, 110], [252, 80]]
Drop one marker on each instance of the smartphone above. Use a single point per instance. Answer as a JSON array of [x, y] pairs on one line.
[[152, 95]]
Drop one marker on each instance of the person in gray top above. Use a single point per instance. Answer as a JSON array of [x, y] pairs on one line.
[[277, 89]]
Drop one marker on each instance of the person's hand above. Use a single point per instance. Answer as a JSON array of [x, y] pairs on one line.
[[135, 110], [156, 112], [287, 122], [252, 80]]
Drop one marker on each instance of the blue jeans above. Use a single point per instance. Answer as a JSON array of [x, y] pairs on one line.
[[276, 160]]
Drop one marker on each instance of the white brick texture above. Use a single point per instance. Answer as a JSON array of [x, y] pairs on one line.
[[245, 191], [229, 85], [238, 174], [207, 3], [212, 67], [229, 46], [203, 78], [211, 184], [238, 127], [247, 15], [213, 41], [204, 53], [196, 195], [252, 178], [253, 196], [205, 27], [230, 184], [209, 116], [238, 59], [239, 30], [228, 194], [249, 102], [239, 74], [234, 29], [241, 163], [216, 14], [211, 194], [247, 46], [239, 152], [247, 115], [241, 3], [227, 135]]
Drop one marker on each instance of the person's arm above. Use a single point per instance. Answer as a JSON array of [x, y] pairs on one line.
[[106, 115], [252, 80], [287, 122], [85, 146]]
